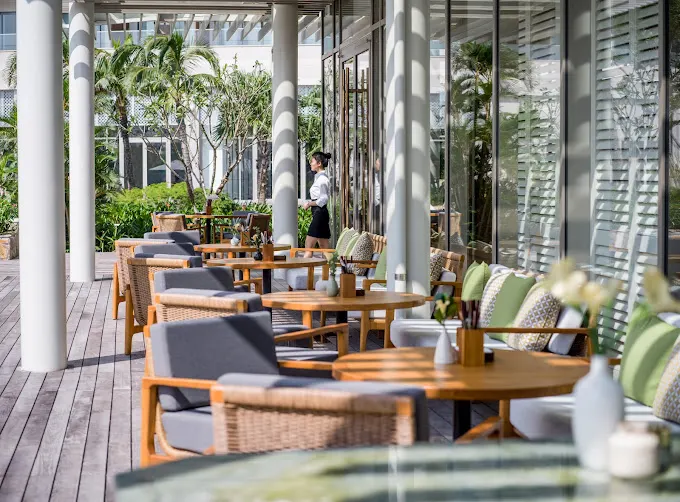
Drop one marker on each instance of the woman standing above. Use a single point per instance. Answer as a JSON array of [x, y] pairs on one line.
[[319, 229]]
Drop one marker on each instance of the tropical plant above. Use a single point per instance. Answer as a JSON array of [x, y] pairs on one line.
[[111, 72], [169, 79], [310, 114]]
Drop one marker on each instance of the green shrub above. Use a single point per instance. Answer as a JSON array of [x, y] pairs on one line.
[[9, 212]]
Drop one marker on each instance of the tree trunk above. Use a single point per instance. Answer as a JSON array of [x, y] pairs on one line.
[[186, 159], [125, 135], [263, 152]]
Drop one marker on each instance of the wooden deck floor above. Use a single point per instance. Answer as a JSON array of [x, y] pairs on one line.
[[64, 435]]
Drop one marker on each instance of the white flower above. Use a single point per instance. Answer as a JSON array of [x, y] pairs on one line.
[[658, 292]]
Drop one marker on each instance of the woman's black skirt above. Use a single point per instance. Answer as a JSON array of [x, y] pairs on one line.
[[320, 227]]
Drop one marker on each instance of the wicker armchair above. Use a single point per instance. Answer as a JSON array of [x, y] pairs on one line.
[[124, 249], [185, 358], [263, 413], [170, 223], [171, 306], [139, 293]]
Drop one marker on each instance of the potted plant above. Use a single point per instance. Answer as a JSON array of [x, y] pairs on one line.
[[445, 308], [597, 394], [257, 241], [236, 233], [348, 281], [332, 288]]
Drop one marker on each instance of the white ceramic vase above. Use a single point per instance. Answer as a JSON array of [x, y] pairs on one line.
[[598, 410], [332, 288], [444, 353], [235, 240]]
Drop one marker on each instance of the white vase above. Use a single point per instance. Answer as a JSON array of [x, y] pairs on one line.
[[332, 288], [598, 410], [235, 240], [444, 354]]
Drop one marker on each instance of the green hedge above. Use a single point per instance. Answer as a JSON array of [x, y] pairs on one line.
[[129, 213]]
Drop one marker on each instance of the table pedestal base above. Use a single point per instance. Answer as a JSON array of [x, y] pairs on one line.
[[462, 418]]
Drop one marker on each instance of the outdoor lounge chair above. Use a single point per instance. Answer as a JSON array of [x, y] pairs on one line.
[[187, 358], [124, 249], [183, 249], [214, 278]]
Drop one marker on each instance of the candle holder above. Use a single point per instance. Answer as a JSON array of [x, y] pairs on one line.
[[470, 346], [268, 252], [348, 285]]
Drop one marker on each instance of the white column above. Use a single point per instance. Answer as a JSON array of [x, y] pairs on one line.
[[41, 185], [284, 121], [408, 144], [81, 140]]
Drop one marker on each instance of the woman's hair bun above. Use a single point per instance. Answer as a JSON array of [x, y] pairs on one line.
[[329, 156]]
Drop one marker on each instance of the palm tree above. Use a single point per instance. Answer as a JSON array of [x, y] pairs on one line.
[[111, 72], [169, 75]]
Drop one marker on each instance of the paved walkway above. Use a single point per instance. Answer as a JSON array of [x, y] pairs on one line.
[[64, 435]]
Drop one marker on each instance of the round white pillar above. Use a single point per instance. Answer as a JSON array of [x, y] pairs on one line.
[[41, 185], [81, 141], [284, 122], [408, 148]]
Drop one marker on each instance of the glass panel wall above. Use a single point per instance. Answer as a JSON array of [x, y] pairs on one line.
[[470, 185], [355, 17], [438, 25], [625, 173], [530, 114], [673, 158]]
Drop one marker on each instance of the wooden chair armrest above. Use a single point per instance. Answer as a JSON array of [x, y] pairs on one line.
[[152, 318], [294, 251], [561, 331], [257, 282], [181, 383], [455, 284], [309, 333], [307, 365], [370, 282], [363, 263]]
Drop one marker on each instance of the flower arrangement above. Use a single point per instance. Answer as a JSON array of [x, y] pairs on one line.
[[257, 239], [333, 260], [572, 287], [445, 308], [658, 292]]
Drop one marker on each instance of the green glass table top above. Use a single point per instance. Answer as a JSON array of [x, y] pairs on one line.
[[512, 471]]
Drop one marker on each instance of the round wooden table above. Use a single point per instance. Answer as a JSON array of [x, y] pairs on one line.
[[513, 375], [268, 266], [209, 222], [231, 250], [318, 301]]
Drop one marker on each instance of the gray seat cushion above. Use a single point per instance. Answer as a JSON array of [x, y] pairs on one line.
[[253, 300], [207, 348], [366, 388], [190, 236], [296, 278], [212, 278], [176, 248], [194, 261], [190, 430]]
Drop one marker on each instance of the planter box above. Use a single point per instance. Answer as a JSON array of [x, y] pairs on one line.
[[9, 246]]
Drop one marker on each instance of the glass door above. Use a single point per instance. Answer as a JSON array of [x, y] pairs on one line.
[[356, 185]]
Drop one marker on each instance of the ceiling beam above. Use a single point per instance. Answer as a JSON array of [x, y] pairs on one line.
[[234, 25], [204, 26], [312, 29], [187, 26], [249, 27], [266, 28], [219, 25]]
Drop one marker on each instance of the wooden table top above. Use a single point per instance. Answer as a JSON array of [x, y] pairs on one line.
[[211, 216], [227, 247], [514, 374], [251, 264], [319, 301]]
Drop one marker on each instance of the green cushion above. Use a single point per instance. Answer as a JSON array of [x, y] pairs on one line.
[[381, 266], [508, 302], [343, 240], [475, 279], [350, 244], [647, 347]]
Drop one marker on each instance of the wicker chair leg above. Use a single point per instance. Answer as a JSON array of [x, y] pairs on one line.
[[115, 297], [363, 331], [129, 322]]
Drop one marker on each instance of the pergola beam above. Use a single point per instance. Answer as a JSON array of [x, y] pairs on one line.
[[266, 28], [249, 27], [233, 26]]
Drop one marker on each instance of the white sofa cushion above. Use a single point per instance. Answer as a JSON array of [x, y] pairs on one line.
[[425, 332], [561, 343], [550, 417], [296, 278]]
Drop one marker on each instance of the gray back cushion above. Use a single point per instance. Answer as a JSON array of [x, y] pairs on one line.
[[370, 388], [190, 236], [253, 300], [177, 248], [214, 278], [205, 349], [371, 271]]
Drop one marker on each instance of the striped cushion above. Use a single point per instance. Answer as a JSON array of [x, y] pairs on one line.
[[667, 398]]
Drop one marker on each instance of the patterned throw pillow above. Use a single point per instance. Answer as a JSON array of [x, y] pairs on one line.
[[489, 297], [539, 310], [667, 398], [363, 250], [344, 239], [437, 262]]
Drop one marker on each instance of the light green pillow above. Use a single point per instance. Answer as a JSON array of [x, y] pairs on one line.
[[508, 302], [381, 266], [350, 245], [646, 350], [475, 279], [343, 240]]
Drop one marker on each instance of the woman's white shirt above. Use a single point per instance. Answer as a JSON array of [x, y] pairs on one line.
[[320, 189]]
